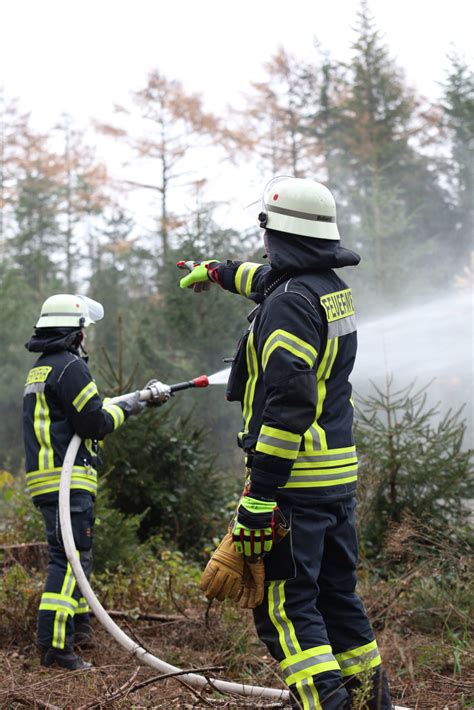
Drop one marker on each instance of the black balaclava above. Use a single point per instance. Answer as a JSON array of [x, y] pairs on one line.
[[50, 340], [295, 253]]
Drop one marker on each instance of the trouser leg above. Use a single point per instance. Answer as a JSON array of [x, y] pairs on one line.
[[289, 621], [82, 616], [348, 627], [61, 595]]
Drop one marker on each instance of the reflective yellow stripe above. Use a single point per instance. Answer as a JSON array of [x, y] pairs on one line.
[[276, 607], [83, 607], [278, 442], [252, 367], [295, 481], [116, 413], [51, 601], [48, 480], [60, 619], [321, 466], [42, 428], [291, 647], [359, 659], [323, 374], [87, 392], [326, 458], [308, 694], [244, 277], [290, 342]]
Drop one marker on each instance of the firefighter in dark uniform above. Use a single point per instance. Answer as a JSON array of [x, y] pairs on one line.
[[291, 375], [61, 399]]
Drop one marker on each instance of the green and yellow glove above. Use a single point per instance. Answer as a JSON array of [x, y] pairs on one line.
[[200, 274], [253, 531]]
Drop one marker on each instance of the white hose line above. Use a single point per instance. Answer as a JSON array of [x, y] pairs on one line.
[[196, 681], [114, 630]]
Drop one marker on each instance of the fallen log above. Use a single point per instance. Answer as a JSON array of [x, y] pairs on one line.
[[140, 616]]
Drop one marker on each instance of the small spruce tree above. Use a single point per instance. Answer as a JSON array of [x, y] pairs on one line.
[[411, 460]]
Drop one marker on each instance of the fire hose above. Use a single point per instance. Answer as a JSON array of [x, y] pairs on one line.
[[144, 656]]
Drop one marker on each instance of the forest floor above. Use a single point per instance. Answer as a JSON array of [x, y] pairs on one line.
[[222, 645]]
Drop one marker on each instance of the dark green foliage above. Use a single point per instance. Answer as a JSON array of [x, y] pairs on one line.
[[160, 469], [458, 100], [116, 542], [18, 313], [412, 460]]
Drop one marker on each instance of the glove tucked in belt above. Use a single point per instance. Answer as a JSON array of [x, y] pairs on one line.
[[229, 576]]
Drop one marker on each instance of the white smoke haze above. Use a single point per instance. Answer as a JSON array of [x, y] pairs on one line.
[[429, 343]]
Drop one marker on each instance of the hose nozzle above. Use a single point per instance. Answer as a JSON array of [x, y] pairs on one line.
[[201, 381]]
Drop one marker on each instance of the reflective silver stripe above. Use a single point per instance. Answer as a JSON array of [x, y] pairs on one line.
[[92, 487], [307, 692], [245, 277], [70, 315], [83, 607], [40, 414], [35, 387], [59, 629], [361, 659], [56, 472], [309, 663], [343, 326], [69, 582], [307, 353], [298, 475], [332, 345], [116, 413], [315, 437], [59, 603], [301, 215], [282, 621], [85, 395], [328, 457], [279, 443]]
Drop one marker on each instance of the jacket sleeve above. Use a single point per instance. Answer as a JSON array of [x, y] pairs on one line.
[[243, 277], [89, 416], [289, 342]]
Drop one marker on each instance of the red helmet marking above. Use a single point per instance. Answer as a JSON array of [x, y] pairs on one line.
[[275, 196]]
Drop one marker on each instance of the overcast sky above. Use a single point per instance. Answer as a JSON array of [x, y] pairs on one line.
[[82, 56]]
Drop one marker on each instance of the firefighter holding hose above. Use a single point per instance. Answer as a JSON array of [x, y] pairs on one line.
[[291, 375], [61, 399]]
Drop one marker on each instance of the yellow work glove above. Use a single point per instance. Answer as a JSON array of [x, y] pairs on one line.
[[222, 578], [200, 276], [253, 584]]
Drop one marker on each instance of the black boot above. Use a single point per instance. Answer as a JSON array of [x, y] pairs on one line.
[[64, 658], [84, 635]]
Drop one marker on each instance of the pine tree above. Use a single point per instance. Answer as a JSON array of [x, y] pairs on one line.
[[411, 460], [458, 105], [397, 211]]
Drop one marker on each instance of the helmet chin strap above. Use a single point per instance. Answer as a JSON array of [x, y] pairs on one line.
[[80, 345]]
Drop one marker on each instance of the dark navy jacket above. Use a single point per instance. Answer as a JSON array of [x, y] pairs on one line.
[[61, 399], [292, 370]]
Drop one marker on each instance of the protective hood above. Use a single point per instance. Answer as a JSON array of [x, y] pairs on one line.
[[51, 340], [291, 252]]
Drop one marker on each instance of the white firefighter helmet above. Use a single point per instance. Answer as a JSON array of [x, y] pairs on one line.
[[64, 310], [299, 206]]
